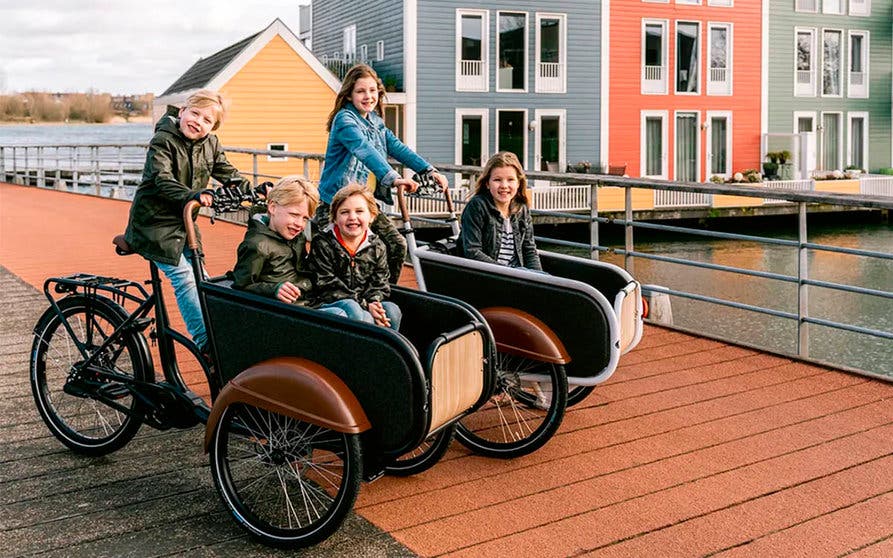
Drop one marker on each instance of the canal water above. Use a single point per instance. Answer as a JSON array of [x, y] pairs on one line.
[[862, 231]]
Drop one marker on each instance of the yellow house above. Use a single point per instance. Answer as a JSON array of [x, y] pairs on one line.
[[279, 97]]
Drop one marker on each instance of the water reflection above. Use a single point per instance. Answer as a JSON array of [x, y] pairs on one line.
[[836, 346]]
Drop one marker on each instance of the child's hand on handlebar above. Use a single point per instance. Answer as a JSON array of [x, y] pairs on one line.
[[288, 292], [378, 314], [408, 184]]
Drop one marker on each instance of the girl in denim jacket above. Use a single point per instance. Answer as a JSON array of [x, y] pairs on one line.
[[359, 142]]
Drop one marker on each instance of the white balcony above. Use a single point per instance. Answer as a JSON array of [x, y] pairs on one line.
[[471, 76], [654, 80], [805, 85], [550, 78], [857, 86], [719, 82]]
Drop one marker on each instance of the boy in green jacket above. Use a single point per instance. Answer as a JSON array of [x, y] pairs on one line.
[[272, 259], [183, 155]]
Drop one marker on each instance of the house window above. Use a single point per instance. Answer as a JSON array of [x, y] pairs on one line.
[[831, 141], [719, 53], [349, 43], [687, 146], [857, 132], [511, 48], [805, 73], [511, 133], [379, 51], [472, 127], [721, 3], [831, 63], [833, 6], [719, 148], [277, 147], [653, 148], [857, 65], [692, 2], [860, 7], [551, 53], [364, 53], [811, 6], [654, 57], [471, 50], [687, 57]]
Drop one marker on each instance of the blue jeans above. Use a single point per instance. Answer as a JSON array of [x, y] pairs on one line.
[[354, 311], [183, 281]]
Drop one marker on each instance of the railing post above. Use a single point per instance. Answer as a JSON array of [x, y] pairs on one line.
[[97, 176], [26, 179], [58, 170], [306, 167], [593, 221], [802, 288], [120, 191], [41, 173], [75, 179], [254, 165], [628, 230]]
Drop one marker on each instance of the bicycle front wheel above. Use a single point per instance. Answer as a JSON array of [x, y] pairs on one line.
[[287, 482], [65, 393], [525, 410]]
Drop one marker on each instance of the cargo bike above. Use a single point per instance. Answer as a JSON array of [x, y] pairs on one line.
[[558, 334], [306, 405]]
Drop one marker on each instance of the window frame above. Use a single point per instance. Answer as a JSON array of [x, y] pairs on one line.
[[526, 15], [700, 58], [499, 111], [813, 58], [866, 58], [349, 31], [730, 34], [708, 118], [840, 70], [866, 13], [665, 56], [562, 57], [698, 142], [644, 115], [561, 114], [485, 48], [364, 53], [379, 51], [721, 3], [864, 115], [797, 7], [841, 11]]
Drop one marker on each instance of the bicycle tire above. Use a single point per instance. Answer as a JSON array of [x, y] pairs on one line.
[[521, 415], [85, 424], [422, 458], [287, 482]]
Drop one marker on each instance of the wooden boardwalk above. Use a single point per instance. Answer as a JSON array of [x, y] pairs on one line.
[[693, 448]]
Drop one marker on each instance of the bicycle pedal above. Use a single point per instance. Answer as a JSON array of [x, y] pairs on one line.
[[113, 391]]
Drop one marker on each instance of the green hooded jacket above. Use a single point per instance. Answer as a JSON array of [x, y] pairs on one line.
[[176, 170], [266, 260]]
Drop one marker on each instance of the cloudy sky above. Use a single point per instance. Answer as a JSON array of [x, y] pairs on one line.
[[121, 46]]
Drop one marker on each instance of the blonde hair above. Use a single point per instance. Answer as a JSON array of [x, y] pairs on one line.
[[294, 189], [357, 72], [208, 98], [499, 160], [353, 189]]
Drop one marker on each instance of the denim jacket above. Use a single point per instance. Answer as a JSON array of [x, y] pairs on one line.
[[482, 232], [358, 145]]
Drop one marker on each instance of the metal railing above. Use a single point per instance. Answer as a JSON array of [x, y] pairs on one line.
[[578, 200]]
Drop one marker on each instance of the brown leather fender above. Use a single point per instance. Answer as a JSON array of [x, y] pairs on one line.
[[519, 333], [294, 387]]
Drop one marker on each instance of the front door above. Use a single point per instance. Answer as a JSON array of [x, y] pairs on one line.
[[549, 151]]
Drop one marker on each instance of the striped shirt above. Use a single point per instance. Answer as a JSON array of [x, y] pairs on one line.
[[506, 254]]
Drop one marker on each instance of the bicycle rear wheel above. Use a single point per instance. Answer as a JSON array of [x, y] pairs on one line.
[[525, 410], [287, 482], [65, 394]]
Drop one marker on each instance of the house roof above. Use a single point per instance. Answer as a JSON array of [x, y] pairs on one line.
[[204, 70], [215, 70]]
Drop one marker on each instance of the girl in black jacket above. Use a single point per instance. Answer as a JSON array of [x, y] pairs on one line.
[[496, 223]]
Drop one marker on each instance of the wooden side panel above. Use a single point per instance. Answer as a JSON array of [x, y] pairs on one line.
[[457, 378]]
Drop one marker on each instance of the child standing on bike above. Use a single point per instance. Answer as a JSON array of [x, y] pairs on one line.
[[359, 142], [183, 155], [496, 222], [351, 262]]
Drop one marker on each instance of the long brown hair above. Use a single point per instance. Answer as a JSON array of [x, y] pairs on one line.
[[350, 80], [499, 160]]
